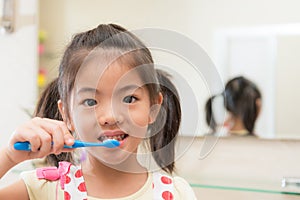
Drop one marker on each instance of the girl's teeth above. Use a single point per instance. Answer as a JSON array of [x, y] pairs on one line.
[[115, 137]]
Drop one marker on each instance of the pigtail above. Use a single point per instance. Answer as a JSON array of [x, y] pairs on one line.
[[162, 142], [47, 108], [249, 103], [249, 116], [210, 120], [47, 104]]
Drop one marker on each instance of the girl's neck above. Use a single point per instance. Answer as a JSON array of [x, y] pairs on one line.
[[95, 166], [238, 127], [104, 181]]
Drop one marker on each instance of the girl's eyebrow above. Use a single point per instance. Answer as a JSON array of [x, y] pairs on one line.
[[95, 91], [87, 89], [129, 87]]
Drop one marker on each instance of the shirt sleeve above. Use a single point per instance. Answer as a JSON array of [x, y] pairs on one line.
[[39, 188], [183, 189]]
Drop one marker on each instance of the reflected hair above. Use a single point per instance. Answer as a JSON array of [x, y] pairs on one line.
[[240, 99]]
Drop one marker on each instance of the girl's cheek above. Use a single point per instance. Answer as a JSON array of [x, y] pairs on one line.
[[139, 119], [137, 125], [84, 123]]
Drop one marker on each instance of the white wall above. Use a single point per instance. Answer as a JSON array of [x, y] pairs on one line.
[[288, 83], [18, 62], [197, 19], [207, 16]]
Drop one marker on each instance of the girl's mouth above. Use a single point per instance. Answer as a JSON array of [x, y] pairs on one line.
[[119, 137]]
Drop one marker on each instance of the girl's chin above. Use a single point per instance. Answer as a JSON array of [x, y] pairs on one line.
[[111, 158]]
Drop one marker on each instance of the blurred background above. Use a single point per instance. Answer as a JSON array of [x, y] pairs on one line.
[[259, 39]]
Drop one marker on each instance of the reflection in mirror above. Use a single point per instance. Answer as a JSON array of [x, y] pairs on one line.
[[268, 55], [241, 101]]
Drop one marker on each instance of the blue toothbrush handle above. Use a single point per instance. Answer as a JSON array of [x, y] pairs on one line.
[[25, 146], [76, 144], [22, 146]]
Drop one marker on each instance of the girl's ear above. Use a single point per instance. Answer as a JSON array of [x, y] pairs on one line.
[[155, 108], [63, 114]]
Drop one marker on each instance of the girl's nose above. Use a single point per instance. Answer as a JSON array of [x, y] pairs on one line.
[[109, 117]]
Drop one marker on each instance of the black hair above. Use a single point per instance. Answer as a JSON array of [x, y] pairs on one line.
[[240, 99], [115, 37], [210, 120], [162, 142]]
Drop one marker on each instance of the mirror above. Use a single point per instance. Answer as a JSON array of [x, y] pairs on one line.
[[251, 38], [268, 55]]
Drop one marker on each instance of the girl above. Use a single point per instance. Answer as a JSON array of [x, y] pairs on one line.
[[242, 100], [107, 88]]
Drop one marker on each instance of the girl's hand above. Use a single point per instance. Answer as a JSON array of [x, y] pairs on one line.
[[40, 133]]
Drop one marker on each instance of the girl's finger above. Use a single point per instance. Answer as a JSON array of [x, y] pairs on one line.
[[65, 138], [45, 138], [26, 133], [55, 128]]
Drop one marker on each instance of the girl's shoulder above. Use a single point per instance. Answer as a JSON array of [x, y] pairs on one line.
[[176, 186], [38, 188], [183, 188]]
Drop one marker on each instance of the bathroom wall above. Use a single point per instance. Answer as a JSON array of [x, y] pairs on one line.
[[18, 70], [288, 82]]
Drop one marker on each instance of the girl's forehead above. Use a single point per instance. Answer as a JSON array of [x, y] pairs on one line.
[[116, 74]]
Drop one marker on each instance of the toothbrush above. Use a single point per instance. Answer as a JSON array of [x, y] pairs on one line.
[[110, 143]]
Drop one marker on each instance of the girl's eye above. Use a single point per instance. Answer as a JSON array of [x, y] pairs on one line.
[[129, 99], [90, 102]]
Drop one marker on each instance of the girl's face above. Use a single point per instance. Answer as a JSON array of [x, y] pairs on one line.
[[110, 103]]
